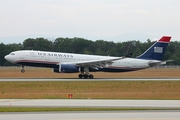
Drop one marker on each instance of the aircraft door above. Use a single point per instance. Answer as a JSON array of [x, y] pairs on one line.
[[47, 58], [134, 63], [22, 55]]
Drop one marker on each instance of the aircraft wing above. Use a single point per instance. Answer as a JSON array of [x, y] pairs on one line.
[[156, 63], [97, 63]]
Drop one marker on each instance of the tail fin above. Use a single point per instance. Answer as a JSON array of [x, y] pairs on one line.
[[157, 50]]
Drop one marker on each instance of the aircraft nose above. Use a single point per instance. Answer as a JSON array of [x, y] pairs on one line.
[[10, 58], [6, 57]]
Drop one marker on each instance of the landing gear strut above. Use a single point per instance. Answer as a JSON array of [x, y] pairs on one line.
[[22, 70], [85, 73]]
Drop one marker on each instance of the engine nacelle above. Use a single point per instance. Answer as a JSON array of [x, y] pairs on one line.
[[66, 68]]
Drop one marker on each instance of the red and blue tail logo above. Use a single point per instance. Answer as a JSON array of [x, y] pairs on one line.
[[157, 50]]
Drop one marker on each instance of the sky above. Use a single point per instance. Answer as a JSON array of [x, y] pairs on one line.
[[112, 20]]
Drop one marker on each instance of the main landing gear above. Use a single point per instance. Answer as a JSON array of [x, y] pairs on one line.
[[86, 76], [22, 70], [85, 73]]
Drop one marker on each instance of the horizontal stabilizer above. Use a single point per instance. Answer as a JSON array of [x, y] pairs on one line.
[[157, 63]]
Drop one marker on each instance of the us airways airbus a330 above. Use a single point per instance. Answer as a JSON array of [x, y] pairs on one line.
[[74, 63]]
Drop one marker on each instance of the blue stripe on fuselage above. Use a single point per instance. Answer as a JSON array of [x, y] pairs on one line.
[[114, 69], [38, 64]]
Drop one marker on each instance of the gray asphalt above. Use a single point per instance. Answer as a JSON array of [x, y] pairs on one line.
[[105, 115], [96, 103], [100, 79], [92, 115]]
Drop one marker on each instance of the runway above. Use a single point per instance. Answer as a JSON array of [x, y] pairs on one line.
[[93, 115], [97, 115], [90, 103], [100, 79]]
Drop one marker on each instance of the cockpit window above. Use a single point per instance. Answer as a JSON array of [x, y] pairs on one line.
[[12, 54]]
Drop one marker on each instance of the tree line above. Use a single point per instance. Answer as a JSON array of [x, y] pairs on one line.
[[84, 46]]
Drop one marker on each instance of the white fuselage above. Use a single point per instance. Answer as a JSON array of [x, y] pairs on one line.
[[28, 57]]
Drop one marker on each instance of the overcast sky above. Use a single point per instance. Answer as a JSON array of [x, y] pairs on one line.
[[90, 19]]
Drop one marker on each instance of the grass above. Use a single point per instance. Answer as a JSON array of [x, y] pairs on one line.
[[47, 73], [91, 89], [32, 109]]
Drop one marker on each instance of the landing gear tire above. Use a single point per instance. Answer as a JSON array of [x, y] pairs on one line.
[[22, 70], [91, 76], [81, 76], [86, 76]]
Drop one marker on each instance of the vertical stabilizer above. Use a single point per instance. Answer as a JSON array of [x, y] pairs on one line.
[[157, 50]]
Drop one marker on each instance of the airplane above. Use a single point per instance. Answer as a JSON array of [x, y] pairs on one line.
[[84, 64]]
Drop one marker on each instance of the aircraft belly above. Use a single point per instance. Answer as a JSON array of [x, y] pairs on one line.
[[126, 66]]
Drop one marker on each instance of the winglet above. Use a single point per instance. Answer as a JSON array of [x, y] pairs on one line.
[[165, 39], [129, 55]]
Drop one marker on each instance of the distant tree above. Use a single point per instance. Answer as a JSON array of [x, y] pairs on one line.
[[3, 53], [37, 44], [100, 47], [62, 45], [29, 44], [80, 45]]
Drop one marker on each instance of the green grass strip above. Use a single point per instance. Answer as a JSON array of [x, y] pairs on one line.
[[43, 109]]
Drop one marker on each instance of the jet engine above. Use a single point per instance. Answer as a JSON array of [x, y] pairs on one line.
[[66, 68]]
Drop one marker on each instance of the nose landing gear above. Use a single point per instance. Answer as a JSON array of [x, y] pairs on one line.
[[22, 70]]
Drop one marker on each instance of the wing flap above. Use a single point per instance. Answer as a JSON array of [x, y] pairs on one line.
[[97, 63]]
